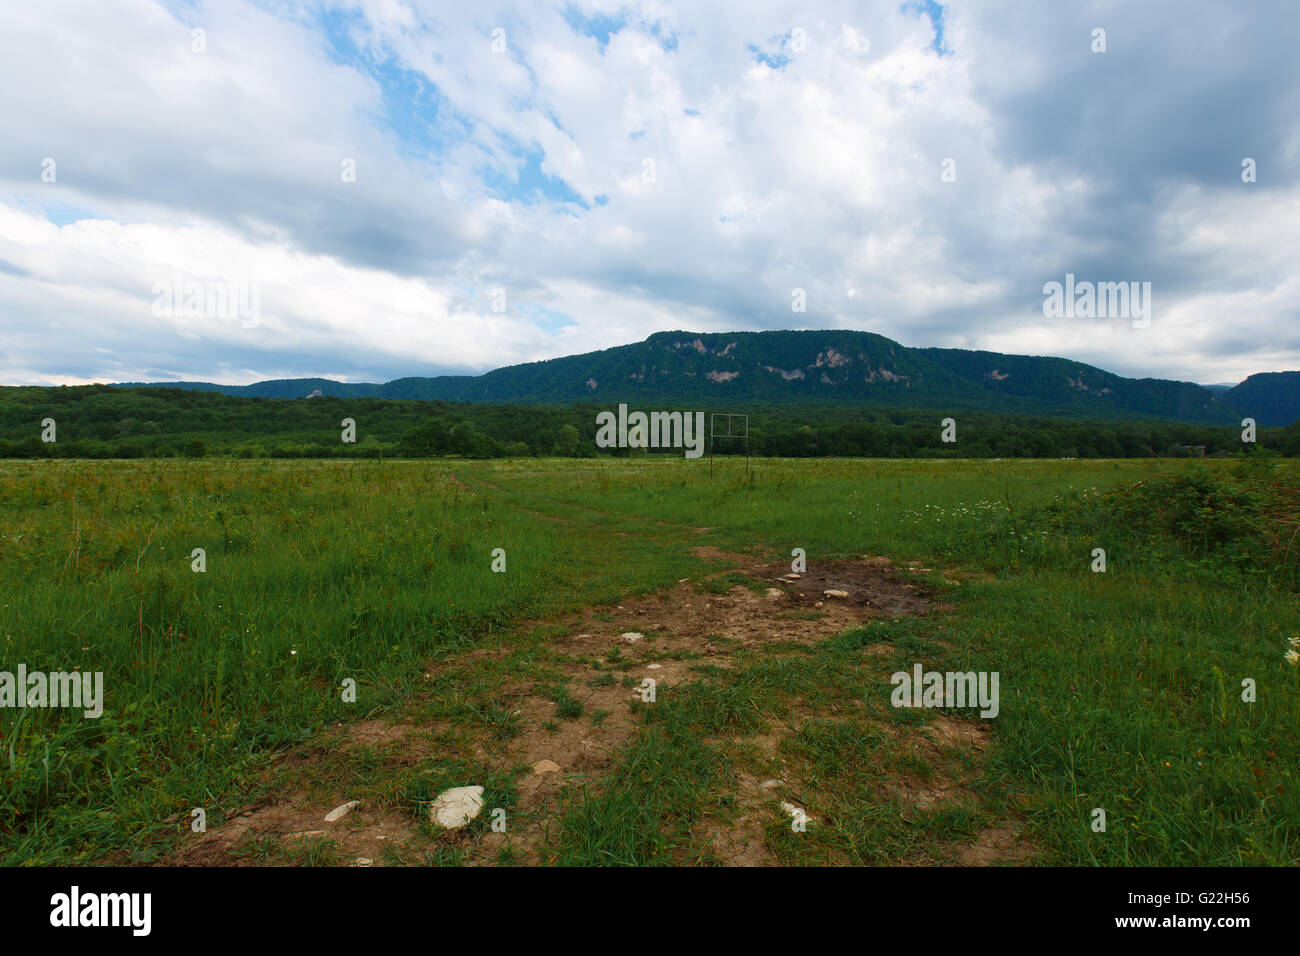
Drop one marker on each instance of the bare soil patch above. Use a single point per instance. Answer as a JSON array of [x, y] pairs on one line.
[[606, 654]]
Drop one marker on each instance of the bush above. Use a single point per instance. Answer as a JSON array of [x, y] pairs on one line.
[[1246, 519]]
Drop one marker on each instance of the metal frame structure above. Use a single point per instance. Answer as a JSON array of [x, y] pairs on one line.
[[730, 433]]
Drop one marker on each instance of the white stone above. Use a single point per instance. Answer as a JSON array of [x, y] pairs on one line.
[[775, 593], [631, 636], [341, 811], [546, 766], [836, 594], [456, 807], [798, 814]]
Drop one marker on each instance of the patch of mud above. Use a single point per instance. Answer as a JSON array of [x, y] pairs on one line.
[[689, 622], [872, 583]]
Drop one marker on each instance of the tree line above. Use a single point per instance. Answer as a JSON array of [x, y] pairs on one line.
[[99, 421]]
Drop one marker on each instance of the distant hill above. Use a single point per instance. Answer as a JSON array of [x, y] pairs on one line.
[[836, 367], [273, 388], [1271, 398]]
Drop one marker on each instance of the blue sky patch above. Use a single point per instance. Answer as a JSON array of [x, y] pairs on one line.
[[531, 184], [933, 10], [544, 318], [63, 214], [599, 26], [775, 61]]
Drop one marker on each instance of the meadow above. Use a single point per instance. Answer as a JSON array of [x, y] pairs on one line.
[[1121, 690]]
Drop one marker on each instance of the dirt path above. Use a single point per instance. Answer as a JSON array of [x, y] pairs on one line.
[[553, 743]]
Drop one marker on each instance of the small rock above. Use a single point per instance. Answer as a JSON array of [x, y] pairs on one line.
[[819, 604], [795, 813], [364, 861], [793, 576], [306, 834], [653, 667], [546, 766], [339, 812], [836, 594], [682, 580], [631, 636], [771, 783], [775, 593], [456, 807]]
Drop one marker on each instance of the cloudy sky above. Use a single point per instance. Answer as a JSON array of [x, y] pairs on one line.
[[400, 187]]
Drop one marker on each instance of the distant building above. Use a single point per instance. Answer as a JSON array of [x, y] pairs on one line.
[[316, 393]]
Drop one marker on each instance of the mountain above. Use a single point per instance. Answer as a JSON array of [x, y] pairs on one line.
[[272, 388], [1271, 398], [836, 367]]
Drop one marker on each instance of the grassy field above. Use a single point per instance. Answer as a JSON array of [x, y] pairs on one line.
[[1120, 690]]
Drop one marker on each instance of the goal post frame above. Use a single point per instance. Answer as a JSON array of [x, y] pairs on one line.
[[730, 433]]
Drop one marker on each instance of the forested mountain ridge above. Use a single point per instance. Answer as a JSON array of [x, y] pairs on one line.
[[832, 367]]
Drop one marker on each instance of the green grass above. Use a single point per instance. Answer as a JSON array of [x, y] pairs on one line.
[[1120, 690]]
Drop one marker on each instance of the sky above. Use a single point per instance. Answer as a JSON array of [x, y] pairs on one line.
[[236, 191]]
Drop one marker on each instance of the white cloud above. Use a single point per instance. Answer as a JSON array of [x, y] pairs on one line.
[[823, 174]]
